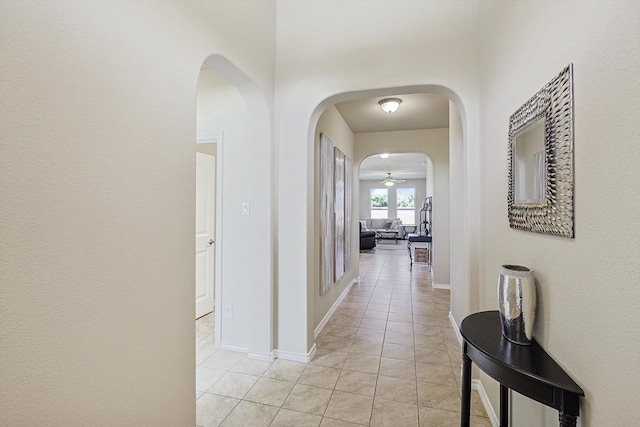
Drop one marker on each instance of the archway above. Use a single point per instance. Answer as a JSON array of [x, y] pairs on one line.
[[432, 144], [412, 174], [233, 115], [456, 203]]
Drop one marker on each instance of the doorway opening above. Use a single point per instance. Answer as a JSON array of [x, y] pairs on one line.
[[394, 185], [232, 143], [212, 91], [420, 125]]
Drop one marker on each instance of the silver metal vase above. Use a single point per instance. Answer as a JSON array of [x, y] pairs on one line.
[[517, 303]]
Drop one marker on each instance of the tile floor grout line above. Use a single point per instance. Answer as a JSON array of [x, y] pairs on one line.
[[397, 294]]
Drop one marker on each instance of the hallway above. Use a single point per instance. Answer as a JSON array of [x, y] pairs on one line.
[[387, 357]]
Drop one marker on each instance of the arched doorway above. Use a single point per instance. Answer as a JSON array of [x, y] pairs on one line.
[[368, 142], [233, 124], [400, 181]]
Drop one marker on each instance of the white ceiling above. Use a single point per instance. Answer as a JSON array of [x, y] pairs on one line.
[[401, 166], [417, 111]]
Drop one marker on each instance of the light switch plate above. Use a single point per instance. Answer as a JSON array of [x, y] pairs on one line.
[[245, 208]]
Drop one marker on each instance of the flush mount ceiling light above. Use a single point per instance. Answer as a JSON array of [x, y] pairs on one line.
[[389, 182], [390, 105], [384, 155]]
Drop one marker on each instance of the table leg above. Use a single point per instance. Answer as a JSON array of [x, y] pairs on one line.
[[465, 402], [567, 420], [504, 406]]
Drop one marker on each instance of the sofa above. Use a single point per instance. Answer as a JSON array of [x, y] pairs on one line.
[[373, 224], [367, 239]]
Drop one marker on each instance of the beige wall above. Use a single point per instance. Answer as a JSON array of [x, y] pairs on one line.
[[220, 104], [97, 133], [333, 125], [588, 287], [464, 298]]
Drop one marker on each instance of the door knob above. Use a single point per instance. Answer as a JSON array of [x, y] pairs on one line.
[[210, 242]]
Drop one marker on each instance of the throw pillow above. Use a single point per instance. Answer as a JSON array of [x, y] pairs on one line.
[[387, 225], [363, 223]]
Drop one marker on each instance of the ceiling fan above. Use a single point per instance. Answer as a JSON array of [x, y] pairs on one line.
[[388, 181]]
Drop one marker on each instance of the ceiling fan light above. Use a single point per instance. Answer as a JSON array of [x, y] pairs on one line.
[[390, 182], [390, 105]]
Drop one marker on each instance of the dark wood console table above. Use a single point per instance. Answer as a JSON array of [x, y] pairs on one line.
[[527, 369]]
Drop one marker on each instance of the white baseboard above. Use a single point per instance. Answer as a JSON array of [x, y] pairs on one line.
[[333, 308], [270, 357], [441, 286], [477, 385], [296, 357], [275, 354], [234, 348], [455, 327]]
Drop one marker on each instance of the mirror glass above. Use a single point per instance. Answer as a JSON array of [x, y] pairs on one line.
[[529, 164], [540, 160]]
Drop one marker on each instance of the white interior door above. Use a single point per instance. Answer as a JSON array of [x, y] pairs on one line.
[[205, 235]]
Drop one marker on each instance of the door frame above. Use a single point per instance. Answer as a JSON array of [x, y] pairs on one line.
[[217, 138]]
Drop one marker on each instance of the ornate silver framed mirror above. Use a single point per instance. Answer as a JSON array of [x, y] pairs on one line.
[[540, 158]]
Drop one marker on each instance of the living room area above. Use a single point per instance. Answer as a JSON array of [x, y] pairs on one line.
[[389, 203], [397, 211]]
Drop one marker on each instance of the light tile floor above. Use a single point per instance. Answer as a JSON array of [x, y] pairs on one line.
[[387, 357]]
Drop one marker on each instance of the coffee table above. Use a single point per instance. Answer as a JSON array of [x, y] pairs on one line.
[[387, 233]]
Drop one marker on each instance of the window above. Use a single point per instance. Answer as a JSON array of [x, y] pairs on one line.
[[406, 204], [379, 202]]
